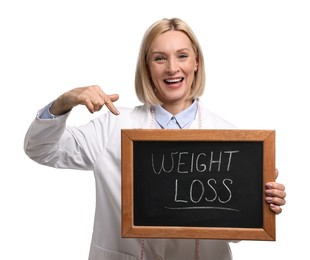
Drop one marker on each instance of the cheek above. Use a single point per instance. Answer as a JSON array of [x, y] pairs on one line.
[[190, 72], [155, 75], [192, 67]]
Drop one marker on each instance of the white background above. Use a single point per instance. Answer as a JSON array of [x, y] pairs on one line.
[[258, 65]]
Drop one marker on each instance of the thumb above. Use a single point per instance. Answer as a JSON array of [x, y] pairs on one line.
[[113, 97]]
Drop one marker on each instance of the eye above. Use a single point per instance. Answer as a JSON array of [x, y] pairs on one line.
[[160, 59], [182, 56]]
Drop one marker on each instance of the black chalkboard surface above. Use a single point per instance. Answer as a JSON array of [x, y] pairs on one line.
[[197, 183]]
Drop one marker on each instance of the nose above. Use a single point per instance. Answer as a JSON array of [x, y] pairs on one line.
[[172, 66]]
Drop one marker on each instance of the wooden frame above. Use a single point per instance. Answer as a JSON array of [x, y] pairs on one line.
[[129, 230]]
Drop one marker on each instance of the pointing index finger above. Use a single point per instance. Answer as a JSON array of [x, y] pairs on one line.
[[108, 100]]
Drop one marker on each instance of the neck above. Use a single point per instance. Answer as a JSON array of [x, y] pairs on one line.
[[175, 108]]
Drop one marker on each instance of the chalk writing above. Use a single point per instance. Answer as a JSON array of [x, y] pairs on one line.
[[192, 163], [200, 162]]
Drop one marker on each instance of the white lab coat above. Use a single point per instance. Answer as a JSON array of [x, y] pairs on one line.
[[96, 146]]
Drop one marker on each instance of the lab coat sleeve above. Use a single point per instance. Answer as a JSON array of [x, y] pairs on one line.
[[50, 142]]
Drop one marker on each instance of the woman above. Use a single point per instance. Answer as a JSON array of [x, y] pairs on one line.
[[170, 78]]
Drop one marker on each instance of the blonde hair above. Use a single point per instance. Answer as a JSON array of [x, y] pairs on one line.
[[143, 83]]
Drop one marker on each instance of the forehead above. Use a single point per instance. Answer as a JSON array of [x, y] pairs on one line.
[[171, 41]]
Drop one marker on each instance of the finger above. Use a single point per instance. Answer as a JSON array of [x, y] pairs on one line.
[[275, 185], [108, 100], [276, 209], [276, 173], [279, 193], [276, 201], [113, 97], [96, 99], [90, 105]]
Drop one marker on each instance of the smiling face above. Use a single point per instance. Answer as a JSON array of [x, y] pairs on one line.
[[172, 64]]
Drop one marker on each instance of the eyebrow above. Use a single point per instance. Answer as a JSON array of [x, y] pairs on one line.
[[180, 50]]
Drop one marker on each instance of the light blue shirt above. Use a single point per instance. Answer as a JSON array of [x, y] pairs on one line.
[[46, 114], [181, 120]]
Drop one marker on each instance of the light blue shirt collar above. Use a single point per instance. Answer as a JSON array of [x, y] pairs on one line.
[[183, 119]]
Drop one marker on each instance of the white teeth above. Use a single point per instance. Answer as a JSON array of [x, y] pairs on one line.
[[173, 80]]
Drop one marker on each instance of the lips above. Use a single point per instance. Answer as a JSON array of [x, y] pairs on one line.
[[174, 80]]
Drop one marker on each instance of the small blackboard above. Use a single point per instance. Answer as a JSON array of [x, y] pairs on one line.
[[197, 183]]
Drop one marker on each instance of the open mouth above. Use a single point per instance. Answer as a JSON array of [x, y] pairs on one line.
[[173, 81]]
